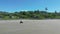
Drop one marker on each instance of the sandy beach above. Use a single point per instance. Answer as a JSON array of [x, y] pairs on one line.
[[47, 26]]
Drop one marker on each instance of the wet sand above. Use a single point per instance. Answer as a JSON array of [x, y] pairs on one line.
[[30, 26]]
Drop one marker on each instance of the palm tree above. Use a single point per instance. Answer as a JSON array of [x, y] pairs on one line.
[[46, 9]]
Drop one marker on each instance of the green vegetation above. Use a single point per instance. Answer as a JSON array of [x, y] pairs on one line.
[[37, 14]]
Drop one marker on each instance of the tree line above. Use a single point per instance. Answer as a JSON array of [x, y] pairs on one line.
[[36, 14]]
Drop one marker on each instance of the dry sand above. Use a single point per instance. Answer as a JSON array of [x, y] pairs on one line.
[[30, 26]]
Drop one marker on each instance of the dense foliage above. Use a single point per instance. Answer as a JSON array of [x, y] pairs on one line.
[[30, 15]]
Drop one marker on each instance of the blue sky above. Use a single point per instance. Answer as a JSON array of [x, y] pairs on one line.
[[17, 5]]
